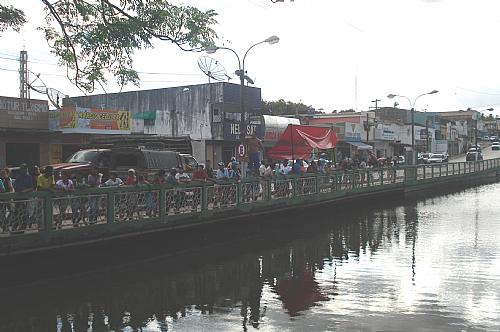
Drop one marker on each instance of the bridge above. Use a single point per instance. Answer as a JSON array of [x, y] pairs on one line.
[[38, 221]]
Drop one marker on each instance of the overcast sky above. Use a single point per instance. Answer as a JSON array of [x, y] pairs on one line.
[[405, 47]]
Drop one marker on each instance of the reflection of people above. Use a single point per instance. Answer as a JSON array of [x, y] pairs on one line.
[[254, 146]]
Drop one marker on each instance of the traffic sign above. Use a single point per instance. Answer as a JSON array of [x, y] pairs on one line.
[[241, 150]]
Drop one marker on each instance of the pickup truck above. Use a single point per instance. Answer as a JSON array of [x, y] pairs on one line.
[[121, 159]]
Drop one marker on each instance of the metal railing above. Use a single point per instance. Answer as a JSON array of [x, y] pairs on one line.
[[41, 212]]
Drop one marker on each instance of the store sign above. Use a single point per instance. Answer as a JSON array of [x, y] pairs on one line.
[[388, 134], [94, 121], [232, 130], [353, 132], [24, 113]]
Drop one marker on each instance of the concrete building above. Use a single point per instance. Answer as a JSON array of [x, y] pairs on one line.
[[25, 134], [208, 113]]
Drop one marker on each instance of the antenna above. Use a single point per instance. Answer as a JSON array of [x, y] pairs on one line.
[[212, 68], [24, 91]]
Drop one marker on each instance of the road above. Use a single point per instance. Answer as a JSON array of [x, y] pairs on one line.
[[487, 153]]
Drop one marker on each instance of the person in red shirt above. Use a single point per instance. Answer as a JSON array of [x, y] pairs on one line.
[[200, 174], [131, 178]]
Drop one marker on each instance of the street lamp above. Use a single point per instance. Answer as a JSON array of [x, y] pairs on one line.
[[241, 73], [412, 105], [475, 124]]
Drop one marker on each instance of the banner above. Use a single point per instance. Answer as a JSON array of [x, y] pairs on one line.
[[94, 121]]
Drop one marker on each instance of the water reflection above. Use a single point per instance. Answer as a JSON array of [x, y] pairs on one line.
[[348, 264]]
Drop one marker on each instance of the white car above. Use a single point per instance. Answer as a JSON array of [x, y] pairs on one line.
[[437, 158], [495, 146]]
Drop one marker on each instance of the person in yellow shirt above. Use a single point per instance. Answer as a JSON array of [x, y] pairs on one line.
[[46, 180]]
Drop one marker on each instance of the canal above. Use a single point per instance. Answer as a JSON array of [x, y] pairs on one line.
[[421, 264]]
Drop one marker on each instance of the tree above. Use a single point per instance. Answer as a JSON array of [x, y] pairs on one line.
[[93, 37], [282, 107], [11, 17]]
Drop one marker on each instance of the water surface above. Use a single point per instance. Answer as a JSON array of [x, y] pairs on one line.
[[419, 265]]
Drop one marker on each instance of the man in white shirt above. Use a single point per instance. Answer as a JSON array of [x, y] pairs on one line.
[[113, 181], [181, 176], [262, 168]]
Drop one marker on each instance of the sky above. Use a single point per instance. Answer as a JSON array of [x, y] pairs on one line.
[[332, 54]]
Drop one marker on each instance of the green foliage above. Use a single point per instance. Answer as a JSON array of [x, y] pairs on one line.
[[93, 37], [11, 17], [282, 107]]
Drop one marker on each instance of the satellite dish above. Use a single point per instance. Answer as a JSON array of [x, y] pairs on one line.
[[212, 68]]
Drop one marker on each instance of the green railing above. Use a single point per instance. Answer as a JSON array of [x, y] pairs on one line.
[[105, 212]]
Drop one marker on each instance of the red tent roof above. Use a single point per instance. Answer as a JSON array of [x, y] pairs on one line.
[[298, 141]]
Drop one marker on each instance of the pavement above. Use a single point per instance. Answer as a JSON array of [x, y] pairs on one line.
[[488, 153]]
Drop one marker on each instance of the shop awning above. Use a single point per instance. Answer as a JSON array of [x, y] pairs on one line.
[[361, 146], [297, 142], [147, 115]]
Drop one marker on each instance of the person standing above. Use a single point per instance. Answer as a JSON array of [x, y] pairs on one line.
[[24, 183], [131, 179], [24, 180], [64, 185], [113, 181], [209, 169], [94, 181], [254, 146], [199, 174], [46, 182], [159, 178]]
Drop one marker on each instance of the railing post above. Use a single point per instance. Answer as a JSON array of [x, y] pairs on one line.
[[381, 176], [453, 168], [110, 215], [317, 184], [163, 201], [268, 188], [48, 211], [432, 171]]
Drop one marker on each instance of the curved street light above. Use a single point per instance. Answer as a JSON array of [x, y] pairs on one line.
[[412, 105], [475, 123], [241, 73]]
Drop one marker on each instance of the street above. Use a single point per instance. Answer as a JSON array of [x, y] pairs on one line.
[[486, 150]]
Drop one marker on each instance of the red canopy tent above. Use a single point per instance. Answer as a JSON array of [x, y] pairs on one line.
[[298, 141]]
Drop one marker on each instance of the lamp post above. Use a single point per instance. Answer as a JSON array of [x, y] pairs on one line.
[[412, 105], [173, 114], [241, 73]]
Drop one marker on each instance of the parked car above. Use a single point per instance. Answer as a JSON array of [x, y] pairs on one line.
[[400, 160], [493, 138], [495, 146], [435, 158], [423, 158], [475, 148], [486, 138], [82, 161], [473, 156]]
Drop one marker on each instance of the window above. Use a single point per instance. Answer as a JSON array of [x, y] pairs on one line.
[[125, 160], [216, 115]]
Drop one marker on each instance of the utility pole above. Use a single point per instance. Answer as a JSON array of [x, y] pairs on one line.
[[376, 103], [427, 134]]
